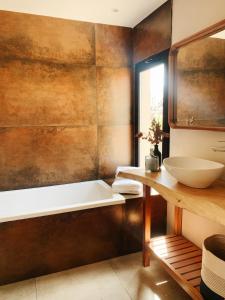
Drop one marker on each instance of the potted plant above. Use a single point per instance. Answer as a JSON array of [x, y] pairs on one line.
[[154, 136]]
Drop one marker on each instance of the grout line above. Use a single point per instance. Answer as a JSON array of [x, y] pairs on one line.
[[63, 125], [116, 273], [36, 288], [46, 126], [97, 121]]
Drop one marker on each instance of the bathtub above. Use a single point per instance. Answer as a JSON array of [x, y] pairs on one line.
[[42, 201], [49, 229]]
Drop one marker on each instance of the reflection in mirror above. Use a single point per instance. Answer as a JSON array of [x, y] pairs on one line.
[[200, 83]]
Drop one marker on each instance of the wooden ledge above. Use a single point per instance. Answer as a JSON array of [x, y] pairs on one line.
[[182, 260], [208, 203]]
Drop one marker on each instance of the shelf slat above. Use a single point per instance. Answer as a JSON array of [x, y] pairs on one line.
[[193, 267], [177, 247], [184, 256], [192, 275], [182, 260], [187, 262]]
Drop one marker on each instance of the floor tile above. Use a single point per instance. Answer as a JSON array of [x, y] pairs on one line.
[[152, 283], [121, 278], [23, 290], [97, 281], [68, 285]]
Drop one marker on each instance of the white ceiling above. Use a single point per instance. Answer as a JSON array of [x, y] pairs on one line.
[[130, 12]]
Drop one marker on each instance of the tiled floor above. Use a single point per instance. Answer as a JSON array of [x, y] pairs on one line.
[[121, 278]]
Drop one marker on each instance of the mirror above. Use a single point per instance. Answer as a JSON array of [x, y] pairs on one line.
[[197, 81]]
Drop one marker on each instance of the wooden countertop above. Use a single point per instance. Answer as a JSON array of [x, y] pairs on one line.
[[208, 203]]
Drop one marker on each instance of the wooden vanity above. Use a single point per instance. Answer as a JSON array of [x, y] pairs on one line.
[[180, 257]]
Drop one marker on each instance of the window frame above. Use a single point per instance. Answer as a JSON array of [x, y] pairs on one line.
[[151, 61]]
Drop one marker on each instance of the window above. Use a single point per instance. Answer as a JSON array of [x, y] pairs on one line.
[[151, 101]]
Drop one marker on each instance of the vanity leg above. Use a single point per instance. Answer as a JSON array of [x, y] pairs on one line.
[[146, 225], [178, 214]]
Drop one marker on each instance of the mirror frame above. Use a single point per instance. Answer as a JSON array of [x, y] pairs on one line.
[[173, 75]]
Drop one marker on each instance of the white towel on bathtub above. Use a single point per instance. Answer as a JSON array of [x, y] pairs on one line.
[[124, 168], [126, 186]]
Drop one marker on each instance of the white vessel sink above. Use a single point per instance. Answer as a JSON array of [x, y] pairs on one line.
[[193, 172]]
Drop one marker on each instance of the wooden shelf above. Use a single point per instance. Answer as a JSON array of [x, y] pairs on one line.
[[208, 203], [182, 259]]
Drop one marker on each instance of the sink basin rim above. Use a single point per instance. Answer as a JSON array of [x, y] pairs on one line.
[[192, 171], [212, 165]]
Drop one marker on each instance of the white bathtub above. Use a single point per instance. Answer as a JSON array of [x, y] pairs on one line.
[[42, 201]]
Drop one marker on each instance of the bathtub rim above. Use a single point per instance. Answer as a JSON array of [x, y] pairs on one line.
[[115, 200]]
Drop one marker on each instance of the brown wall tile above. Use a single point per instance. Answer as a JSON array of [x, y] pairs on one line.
[[113, 46], [153, 35], [46, 94], [48, 87], [114, 144], [114, 96], [41, 156], [26, 36]]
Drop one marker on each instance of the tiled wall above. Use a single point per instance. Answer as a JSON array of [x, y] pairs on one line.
[[65, 99], [153, 34]]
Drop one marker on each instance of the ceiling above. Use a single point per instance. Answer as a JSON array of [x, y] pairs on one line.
[[115, 12]]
